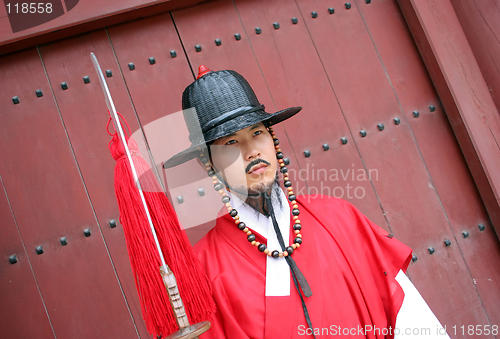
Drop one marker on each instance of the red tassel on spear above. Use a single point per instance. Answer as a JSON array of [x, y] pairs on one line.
[[154, 239]]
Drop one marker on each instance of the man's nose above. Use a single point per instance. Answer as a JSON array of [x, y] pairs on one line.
[[251, 153]]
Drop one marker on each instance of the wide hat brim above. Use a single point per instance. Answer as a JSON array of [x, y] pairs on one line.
[[231, 126]]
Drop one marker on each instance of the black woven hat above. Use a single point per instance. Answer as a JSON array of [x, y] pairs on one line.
[[217, 104]]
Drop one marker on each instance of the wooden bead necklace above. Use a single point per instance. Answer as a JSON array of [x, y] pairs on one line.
[[219, 187]]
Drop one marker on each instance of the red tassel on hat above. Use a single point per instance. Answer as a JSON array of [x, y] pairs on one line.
[[194, 286]]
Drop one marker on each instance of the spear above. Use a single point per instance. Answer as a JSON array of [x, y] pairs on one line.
[[186, 330]]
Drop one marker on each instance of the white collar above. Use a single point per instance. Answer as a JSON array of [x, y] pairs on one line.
[[277, 270]]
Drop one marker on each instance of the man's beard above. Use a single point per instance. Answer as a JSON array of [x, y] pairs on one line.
[[262, 187], [257, 189], [256, 200], [254, 196]]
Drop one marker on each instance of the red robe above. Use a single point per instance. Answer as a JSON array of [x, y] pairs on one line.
[[349, 262]]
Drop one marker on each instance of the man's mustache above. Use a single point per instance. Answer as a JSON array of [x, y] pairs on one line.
[[255, 162]]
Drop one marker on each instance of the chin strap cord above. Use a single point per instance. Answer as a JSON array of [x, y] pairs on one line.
[[298, 277]]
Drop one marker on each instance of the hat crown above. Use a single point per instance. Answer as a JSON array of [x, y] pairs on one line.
[[212, 95]]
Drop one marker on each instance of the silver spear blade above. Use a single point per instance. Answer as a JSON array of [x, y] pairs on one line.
[[118, 127]]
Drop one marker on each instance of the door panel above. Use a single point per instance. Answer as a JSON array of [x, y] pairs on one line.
[[439, 148], [86, 128], [361, 86], [20, 297], [77, 282]]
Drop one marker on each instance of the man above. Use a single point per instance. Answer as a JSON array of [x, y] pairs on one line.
[[283, 266]]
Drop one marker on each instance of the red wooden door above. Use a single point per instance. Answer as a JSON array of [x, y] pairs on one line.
[[356, 69]]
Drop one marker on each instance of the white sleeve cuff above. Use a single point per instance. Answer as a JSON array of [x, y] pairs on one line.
[[415, 319]]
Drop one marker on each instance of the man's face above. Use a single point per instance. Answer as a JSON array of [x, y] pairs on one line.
[[254, 169]]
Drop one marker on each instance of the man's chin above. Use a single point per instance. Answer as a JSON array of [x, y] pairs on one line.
[[260, 182], [254, 188], [260, 187]]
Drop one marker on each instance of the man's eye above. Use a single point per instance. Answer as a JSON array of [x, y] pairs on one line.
[[230, 142], [257, 133]]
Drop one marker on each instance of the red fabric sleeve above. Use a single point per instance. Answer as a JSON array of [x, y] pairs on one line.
[[372, 257], [387, 255]]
